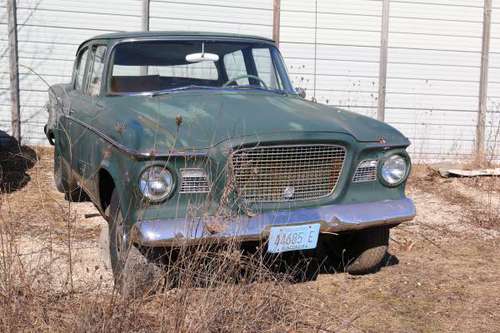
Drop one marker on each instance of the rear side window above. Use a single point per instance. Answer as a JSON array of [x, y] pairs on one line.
[[98, 54], [80, 69]]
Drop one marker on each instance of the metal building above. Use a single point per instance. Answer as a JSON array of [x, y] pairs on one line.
[[332, 48]]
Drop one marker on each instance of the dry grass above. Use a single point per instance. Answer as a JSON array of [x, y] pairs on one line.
[[52, 276], [477, 197], [41, 290]]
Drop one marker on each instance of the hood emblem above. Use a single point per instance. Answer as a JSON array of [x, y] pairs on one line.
[[288, 192]]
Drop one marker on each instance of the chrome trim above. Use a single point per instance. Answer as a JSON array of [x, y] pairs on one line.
[[333, 218], [403, 154], [357, 178], [185, 188]]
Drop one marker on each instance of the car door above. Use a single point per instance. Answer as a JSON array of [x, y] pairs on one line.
[[69, 103], [86, 109]]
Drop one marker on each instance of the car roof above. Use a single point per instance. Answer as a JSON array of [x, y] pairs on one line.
[[168, 34]]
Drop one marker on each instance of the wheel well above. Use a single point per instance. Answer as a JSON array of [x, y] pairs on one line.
[[50, 135], [106, 187]]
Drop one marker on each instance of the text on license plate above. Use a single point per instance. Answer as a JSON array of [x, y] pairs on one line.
[[292, 238]]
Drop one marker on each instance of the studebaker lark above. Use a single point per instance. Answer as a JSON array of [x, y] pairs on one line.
[[182, 137]]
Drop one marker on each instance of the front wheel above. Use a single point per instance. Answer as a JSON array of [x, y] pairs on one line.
[[366, 251], [134, 275]]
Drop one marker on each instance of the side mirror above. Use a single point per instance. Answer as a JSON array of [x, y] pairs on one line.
[[301, 92]]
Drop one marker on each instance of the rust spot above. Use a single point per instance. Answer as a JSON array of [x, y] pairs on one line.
[[120, 127], [106, 153], [215, 226], [154, 125], [381, 140], [178, 120]]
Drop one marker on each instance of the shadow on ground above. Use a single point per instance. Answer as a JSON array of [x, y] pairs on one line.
[[15, 161]]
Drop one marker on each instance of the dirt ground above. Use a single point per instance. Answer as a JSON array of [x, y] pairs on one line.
[[444, 274]]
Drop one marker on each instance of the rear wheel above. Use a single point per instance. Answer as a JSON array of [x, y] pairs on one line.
[[133, 273], [366, 251]]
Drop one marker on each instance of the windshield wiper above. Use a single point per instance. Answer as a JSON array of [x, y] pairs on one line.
[[173, 90], [249, 86]]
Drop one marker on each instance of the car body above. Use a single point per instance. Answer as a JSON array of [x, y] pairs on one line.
[[242, 157]]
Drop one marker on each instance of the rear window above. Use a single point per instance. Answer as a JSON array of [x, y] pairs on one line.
[[204, 71]]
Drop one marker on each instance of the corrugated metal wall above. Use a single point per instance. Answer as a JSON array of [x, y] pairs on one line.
[[433, 74], [493, 115], [331, 48], [433, 68], [49, 33]]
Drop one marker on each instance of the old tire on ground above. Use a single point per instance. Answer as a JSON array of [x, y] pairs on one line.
[[64, 182], [366, 251], [134, 275]]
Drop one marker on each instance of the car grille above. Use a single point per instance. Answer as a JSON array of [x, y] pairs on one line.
[[366, 171], [288, 172], [194, 181]]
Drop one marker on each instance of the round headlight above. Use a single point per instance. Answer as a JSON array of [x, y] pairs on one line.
[[394, 170], [156, 183]]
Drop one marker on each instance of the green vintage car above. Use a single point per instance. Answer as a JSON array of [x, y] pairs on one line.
[[183, 137]]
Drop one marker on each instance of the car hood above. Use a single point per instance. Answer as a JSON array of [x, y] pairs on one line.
[[202, 119]]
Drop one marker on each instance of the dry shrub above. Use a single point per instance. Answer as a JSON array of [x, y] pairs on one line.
[[206, 289], [32, 299]]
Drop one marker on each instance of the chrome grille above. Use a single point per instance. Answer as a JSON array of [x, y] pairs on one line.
[[366, 171], [288, 172], [194, 181]]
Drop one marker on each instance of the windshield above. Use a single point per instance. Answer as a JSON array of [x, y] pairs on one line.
[[162, 66]]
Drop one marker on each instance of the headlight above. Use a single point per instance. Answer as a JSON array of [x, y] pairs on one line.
[[156, 183], [394, 170]]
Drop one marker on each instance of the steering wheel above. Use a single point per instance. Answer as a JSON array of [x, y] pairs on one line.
[[245, 77]]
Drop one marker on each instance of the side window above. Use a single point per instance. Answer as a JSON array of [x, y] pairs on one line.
[[265, 67], [94, 84], [80, 69], [235, 66]]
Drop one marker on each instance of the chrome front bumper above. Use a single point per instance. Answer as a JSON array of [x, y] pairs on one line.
[[333, 218]]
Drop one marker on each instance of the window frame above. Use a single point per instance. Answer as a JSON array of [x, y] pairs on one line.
[[90, 67], [275, 72], [280, 65], [79, 58]]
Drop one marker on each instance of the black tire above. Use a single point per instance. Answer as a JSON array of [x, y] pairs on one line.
[[134, 275], [366, 251]]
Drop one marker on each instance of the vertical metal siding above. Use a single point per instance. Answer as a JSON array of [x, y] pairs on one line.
[[331, 49], [341, 69], [254, 18], [493, 114], [5, 124], [49, 33], [433, 75]]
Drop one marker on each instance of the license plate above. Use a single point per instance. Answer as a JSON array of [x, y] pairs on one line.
[[293, 238]]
